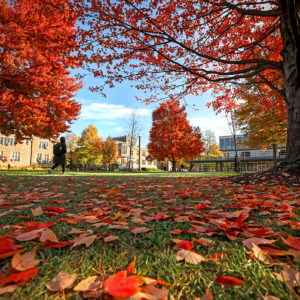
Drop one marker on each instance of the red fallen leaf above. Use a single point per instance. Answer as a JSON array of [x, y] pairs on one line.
[[227, 280], [176, 231], [131, 266], [185, 245], [6, 245], [121, 285], [292, 242], [38, 224], [203, 241], [57, 209], [20, 277], [70, 179], [185, 196], [56, 245], [53, 187], [217, 256]]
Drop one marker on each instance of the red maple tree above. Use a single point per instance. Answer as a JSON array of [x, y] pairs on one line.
[[187, 47], [171, 135], [36, 89]]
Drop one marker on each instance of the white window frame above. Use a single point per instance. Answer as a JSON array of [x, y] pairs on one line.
[[15, 156], [39, 157], [47, 157]]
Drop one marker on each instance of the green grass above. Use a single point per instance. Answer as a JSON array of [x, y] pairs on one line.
[[145, 195]]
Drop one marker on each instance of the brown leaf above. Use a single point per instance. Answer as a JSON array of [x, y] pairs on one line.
[[48, 235], [110, 238], [22, 262], [83, 239], [37, 211], [290, 276], [248, 243], [31, 235], [137, 230], [8, 289], [208, 296], [80, 231], [117, 226], [61, 282], [89, 284], [190, 257]]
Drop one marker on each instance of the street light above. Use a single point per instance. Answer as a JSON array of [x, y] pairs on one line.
[[140, 152]]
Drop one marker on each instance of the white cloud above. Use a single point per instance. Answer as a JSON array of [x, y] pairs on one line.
[[98, 111], [217, 124]]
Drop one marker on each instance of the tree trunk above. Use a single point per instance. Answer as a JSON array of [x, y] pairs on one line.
[[291, 68], [174, 165]]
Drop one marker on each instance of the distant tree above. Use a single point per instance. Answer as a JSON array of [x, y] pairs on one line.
[[171, 135], [72, 145], [210, 144], [262, 127], [110, 152], [90, 147], [133, 128]]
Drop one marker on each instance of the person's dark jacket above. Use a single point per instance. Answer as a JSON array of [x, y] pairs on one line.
[[61, 158]]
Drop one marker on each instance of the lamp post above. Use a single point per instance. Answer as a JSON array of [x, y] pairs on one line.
[[140, 152]]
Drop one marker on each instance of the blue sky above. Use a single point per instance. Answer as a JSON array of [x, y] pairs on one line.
[[109, 114]]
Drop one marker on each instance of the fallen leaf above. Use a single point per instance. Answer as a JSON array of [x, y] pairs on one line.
[[31, 235], [83, 239], [48, 235], [290, 276], [190, 257], [61, 282], [110, 238], [22, 262], [248, 243], [292, 242], [185, 245], [121, 285], [8, 289], [227, 280], [6, 245], [138, 230], [37, 211], [89, 284], [20, 277]]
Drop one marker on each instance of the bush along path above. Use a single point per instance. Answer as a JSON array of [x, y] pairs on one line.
[[147, 238]]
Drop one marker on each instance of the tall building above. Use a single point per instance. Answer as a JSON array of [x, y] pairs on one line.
[[138, 154], [31, 152]]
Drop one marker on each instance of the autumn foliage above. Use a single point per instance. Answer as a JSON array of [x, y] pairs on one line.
[[36, 89], [172, 137]]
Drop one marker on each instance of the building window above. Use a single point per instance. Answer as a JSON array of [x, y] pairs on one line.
[[122, 161], [15, 156], [39, 157], [46, 158], [143, 162], [27, 142], [43, 145], [123, 149], [1, 154], [6, 141], [245, 154]]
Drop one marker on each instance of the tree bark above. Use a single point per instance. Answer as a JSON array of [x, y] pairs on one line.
[[290, 25], [174, 165]]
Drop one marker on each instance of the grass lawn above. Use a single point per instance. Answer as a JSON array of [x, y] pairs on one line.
[[143, 216]]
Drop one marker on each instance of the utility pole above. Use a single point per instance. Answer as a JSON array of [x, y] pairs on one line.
[[140, 152]]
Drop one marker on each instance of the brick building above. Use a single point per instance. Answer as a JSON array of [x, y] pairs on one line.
[[138, 154], [31, 152]]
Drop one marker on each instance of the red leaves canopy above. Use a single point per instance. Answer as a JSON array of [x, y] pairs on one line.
[[171, 136], [36, 90]]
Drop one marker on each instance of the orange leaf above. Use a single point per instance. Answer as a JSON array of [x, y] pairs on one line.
[[131, 266], [121, 285], [22, 262], [292, 242], [113, 191], [227, 280], [20, 277]]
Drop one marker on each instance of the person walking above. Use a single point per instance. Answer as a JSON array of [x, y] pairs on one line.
[[59, 151]]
